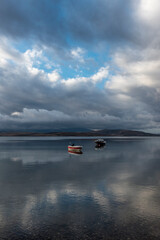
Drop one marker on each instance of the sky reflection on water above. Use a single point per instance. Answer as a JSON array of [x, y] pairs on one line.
[[112, 193]]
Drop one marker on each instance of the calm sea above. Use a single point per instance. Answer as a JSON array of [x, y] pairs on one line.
[[107, 193]]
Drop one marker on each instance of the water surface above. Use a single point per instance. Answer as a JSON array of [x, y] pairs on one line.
[[108, 193]]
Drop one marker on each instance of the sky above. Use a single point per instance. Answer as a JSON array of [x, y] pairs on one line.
[[79, 64]]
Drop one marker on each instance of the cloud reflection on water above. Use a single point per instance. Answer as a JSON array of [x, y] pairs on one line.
[[117, 186]]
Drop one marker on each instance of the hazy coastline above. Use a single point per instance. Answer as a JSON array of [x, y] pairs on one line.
[[100, 133]]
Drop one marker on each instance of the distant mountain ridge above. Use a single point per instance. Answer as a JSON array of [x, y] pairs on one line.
[[104, 132]]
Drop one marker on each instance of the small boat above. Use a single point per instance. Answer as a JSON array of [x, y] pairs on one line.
[[73, 148], [100, 142]]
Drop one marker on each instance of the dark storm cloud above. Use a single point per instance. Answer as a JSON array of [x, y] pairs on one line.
[[40, 20], [150, 98], [101, 20], [70, 106], [20, 89], [52, 22]]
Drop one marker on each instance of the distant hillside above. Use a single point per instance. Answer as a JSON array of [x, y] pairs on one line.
[[105, 132], [120, 132]]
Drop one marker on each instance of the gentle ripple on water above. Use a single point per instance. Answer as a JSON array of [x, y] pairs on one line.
[[109, 193]]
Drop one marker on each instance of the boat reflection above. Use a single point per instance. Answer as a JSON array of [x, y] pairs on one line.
[[75, 153], [99, 147]]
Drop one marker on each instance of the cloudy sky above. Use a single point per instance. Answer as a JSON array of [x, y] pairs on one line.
[[80, 64]]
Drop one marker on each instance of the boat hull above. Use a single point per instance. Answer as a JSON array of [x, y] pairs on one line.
[[74, 148]]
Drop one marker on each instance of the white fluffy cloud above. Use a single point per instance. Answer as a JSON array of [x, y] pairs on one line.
[[102, 74], [77, 54], [148, 10]]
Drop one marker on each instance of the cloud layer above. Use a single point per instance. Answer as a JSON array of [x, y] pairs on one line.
[[66, 65]]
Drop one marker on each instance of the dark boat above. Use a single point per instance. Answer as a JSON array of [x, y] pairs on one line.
[[100, 142]]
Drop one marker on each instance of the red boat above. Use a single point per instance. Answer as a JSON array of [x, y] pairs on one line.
[[72, 148]]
